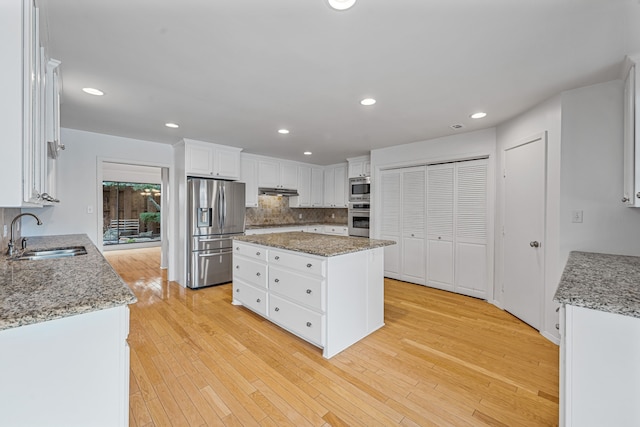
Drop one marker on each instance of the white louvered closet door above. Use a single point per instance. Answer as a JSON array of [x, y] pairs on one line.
[[391, 221], [471, 228], [413, 224], [440, 226]]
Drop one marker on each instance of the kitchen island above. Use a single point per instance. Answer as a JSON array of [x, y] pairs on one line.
[[328, 290], [63, 329], [600, 340]]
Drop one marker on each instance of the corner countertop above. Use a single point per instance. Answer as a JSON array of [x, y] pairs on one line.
[[315, 244], [41, 290], [602, 282]]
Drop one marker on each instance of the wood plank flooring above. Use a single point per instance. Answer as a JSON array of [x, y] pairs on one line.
[[441, 360]]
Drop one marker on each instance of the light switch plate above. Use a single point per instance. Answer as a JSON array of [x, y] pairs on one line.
[[576, 216], [5, 231], [89, 209]]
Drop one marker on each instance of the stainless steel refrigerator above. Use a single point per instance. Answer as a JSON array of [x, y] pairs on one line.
[[216, 210]]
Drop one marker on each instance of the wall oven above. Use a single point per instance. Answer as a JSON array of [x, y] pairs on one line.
[[359, 219], [359, 189]]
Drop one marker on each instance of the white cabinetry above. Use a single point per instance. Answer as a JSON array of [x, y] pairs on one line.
[[359, 166], [599, 373], [331, 302], [336, 230], [310, 188], [317, 187], [335, 186], [212, 160], [249, 175], [273, 173], [72, 371], [631, 190], [23, 114]]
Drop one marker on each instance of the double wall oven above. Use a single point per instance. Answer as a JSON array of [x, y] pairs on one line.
[[359, 207]]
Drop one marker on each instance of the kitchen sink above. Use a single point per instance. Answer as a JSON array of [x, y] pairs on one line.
[[37, 254]]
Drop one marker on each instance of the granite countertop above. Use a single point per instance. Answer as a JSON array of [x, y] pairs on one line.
[[602, 282], [41, 290], [312, 224], [315, 244]]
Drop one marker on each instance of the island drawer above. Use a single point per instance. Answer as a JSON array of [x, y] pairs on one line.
[[251, 297], [302, 288], [299, 320], [250, 271], [303, 263], [250, 251]]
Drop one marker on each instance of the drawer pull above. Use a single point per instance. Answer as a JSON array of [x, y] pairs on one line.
[[308, 324], [277, 309], [237, 267], [257, 253], [258, 274], [277, 257], [238, 290], [258, 300], [308, 291], [557, 326], [276, 280], [308, 265], [237, 248]]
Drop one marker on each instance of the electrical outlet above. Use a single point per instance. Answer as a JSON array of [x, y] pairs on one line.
[[576, 216], [333, 215], [89, 209], [299, 216]]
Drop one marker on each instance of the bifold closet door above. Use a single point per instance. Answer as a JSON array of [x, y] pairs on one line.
[[413, 224], [440, 225], [391, 220]]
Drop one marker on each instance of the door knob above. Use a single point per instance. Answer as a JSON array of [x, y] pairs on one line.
[[625, 199], [534, 244]]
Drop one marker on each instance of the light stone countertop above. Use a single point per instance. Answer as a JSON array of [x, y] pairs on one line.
[[315, 244], [311, 224], [41, 290], [602, 282]]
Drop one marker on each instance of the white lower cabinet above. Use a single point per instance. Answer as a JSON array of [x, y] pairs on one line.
[[331, 302], [599, 368], [72, 371], [336, 230]]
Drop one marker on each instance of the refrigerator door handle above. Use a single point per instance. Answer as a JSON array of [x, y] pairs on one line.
[[219, 203], [224, 205], [214, 254]]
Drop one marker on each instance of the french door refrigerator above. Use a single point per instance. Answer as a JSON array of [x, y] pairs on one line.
[[216, 215]]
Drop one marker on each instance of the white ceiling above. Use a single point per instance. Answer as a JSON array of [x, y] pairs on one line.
[[235, 71]]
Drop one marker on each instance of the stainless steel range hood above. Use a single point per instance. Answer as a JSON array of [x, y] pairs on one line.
[[268, 191]]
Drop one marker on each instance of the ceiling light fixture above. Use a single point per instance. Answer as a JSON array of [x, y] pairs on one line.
[[341, 4], [308, 153], [478, 115], [172, 125], [283, 131], [92, 91], [368, 101]]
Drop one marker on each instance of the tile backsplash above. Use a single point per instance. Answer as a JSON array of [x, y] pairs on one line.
[[273, 210], [6, 216]]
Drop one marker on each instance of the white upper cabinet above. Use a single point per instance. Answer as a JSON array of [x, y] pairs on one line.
[[23, 112], [304, 188], [359, 166], [212, 160], [631, 190], [249, 175], [273, 173], [317, 186], [335, 186]]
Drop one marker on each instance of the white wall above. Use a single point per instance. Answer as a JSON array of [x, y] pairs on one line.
[[131, 173], [592, 163], [545, 117], [78, 186]]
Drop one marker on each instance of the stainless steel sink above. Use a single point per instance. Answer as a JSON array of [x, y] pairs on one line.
[[52, 253]]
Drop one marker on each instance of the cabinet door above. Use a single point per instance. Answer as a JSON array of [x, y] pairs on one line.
[[317, 187], [199, 159], [340, 183], [355, 168], [629, 191], [304, 188], [249, 175], [413, 224], [391, 221], [268, 173], [226, 163], [440, 225], [288, 175], [329, 188]]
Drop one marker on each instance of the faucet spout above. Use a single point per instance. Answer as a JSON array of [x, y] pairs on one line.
[[11, 247]]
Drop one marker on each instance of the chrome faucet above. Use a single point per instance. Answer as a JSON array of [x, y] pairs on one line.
[[11, 243]]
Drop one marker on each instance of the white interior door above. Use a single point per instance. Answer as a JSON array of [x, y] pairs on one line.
[[524, 225]]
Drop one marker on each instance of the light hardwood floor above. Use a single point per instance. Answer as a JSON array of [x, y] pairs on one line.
[[441, 360]]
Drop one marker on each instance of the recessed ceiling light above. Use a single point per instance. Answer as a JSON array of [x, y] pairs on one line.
[[341, 4], [368, 101], [172, 125], [308, 153], [92, 91], [283, 131], [478, 115]]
